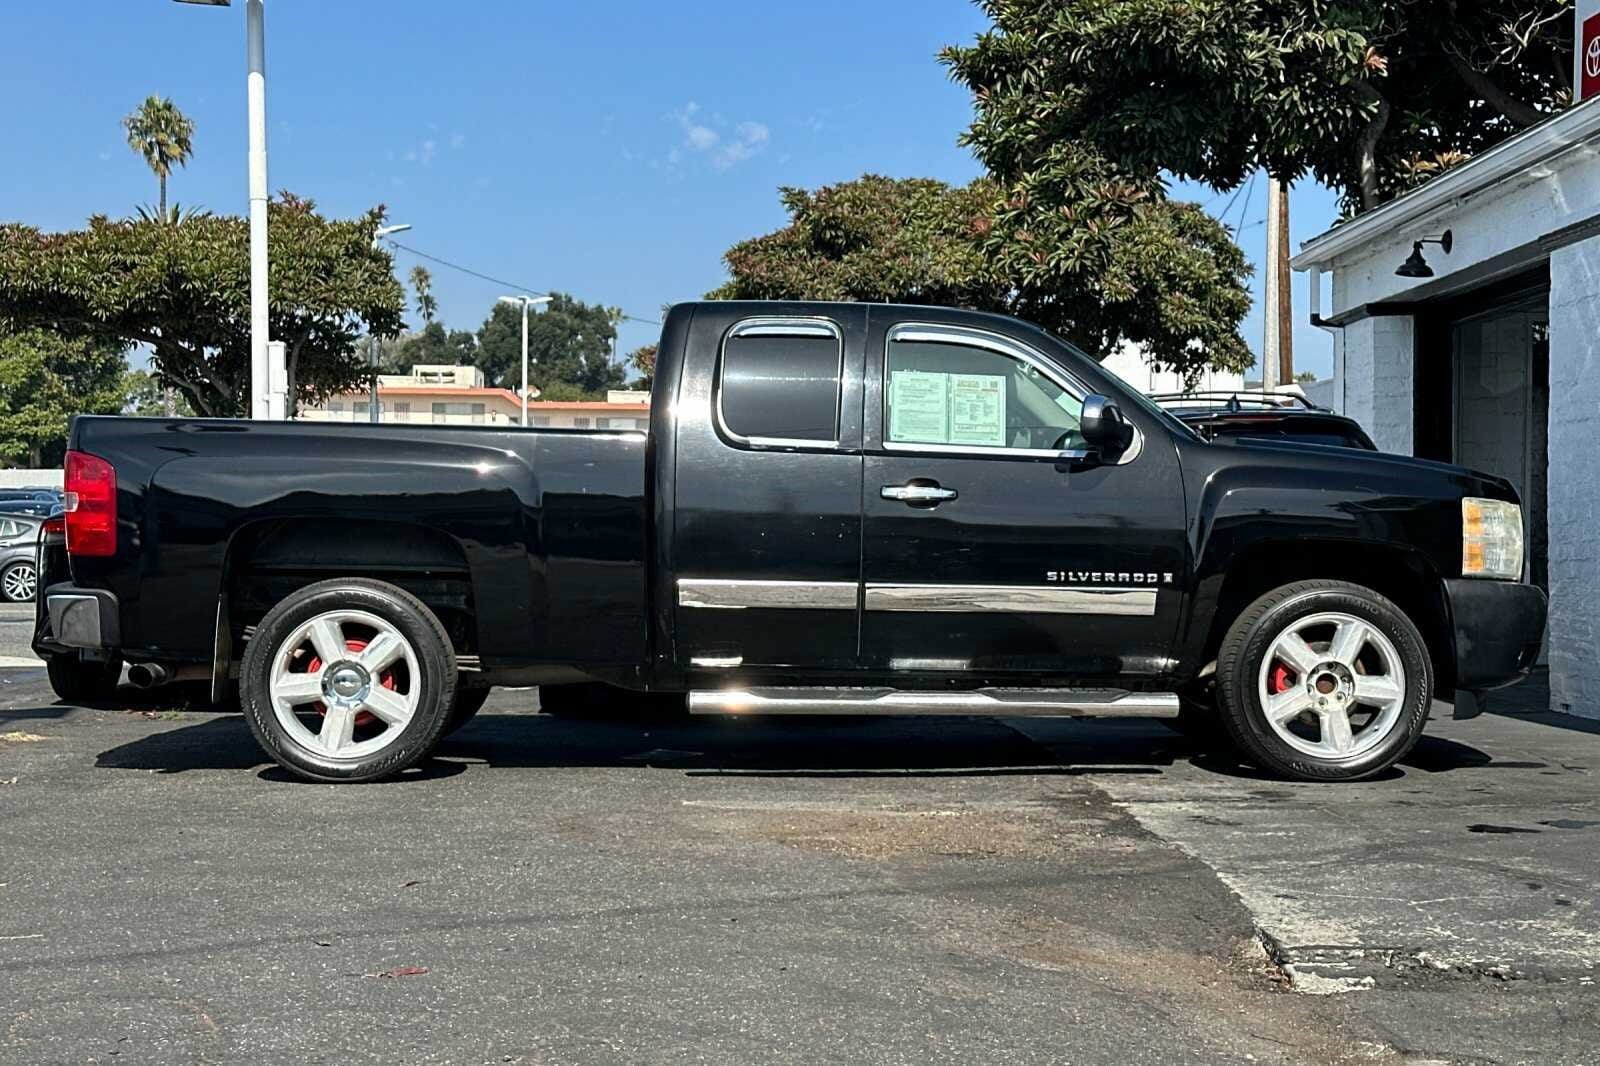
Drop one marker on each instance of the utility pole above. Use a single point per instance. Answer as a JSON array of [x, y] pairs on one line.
[[1277, 353]]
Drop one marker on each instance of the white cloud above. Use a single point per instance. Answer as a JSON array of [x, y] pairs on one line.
[[724, 149]]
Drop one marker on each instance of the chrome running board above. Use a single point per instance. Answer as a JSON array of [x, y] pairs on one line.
[[998, 702]]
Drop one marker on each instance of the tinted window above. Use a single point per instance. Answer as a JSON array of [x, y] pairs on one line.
[[973, 397], [780, 381]]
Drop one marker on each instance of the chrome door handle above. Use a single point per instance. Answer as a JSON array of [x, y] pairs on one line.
[[915, 494]]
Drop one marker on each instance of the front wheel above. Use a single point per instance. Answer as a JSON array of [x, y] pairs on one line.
[[348, 680], [1324, 681]]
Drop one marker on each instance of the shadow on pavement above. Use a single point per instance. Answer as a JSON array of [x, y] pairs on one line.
[[768, 747]]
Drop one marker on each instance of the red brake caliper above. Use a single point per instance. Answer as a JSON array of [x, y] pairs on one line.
[[1279, 680], [386, 679]]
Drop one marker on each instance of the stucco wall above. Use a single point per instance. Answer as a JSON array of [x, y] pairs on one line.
[[1574, 484]]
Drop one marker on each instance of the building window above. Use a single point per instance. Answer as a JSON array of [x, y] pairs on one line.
[[440, 413], [780, 380], [360, 410], [402, 409], [335, 407], [602, 423], [541, 420], [944, 390], [477, 413], [580, 423]]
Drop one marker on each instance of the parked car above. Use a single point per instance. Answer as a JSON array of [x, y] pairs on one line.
[[1233, 416], [837, 509], [36, 508], [19, 544]]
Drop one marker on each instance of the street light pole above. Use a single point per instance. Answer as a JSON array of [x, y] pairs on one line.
[[526, 302], [256, 88], [372, 341]]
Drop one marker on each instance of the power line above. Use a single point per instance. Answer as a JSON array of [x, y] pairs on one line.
[[1249, 191], [487, 277]]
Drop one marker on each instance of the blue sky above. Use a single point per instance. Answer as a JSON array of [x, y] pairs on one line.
[[611, 150]]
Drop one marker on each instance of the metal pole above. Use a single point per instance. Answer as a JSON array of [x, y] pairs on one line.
[[524, 362], [372, 405], [1285, 292], [256, 49]]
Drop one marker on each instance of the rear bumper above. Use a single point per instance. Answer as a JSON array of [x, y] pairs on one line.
[[74, 617], [1499, 626]]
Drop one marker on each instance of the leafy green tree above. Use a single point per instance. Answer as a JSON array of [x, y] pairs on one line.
[[45, 379], [1369, 96], [569, 342], [143, 395], [435, 345], [1113, 262], [422, 285], [643, 361], [163, 136], [184, 290]]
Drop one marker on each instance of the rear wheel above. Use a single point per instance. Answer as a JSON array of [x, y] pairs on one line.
[[19, 583], [77, 680], [348, 680], [1324, 681]]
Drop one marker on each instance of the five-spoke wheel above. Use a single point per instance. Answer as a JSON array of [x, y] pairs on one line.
[[1324, 681], [348, 680]]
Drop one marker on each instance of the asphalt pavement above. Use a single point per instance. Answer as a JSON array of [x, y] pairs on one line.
[[787, 890], [16, 635]]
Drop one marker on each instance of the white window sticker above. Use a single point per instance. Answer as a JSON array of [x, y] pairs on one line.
[[919, 406], [978, 410]]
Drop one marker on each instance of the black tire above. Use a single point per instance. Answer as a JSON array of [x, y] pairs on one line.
[[595, 700], [469, 701], [1249, 640], [5, 583], [1198, 720], [436, 666], [76, 680]]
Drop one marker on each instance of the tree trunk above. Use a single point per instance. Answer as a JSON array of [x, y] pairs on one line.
[[163, 178], [1368, 145], [1492, 94]]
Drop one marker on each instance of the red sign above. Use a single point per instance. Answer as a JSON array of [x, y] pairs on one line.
[[1589, 58]]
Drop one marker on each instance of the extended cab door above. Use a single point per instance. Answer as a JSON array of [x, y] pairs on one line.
[[987, 553], [766, 544]]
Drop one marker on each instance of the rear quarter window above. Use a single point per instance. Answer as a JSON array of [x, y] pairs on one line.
[[779, 381]]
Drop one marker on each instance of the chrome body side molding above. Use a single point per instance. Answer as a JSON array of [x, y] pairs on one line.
[[739, 595], [1022, 599]]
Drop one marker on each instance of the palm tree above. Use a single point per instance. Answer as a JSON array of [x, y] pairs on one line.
[[163, 135], [422, 282]]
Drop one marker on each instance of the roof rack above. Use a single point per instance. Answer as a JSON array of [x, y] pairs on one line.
[[1235, 399]]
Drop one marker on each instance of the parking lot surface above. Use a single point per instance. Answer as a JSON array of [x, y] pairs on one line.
[[792, 890]]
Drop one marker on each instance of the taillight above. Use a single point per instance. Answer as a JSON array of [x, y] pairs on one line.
[[90, 503], [55, 526]]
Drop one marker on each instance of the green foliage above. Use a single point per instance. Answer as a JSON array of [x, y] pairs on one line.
[[643, 362], [422, 285], [183, 290], [569, 342], [163, 136], [432, 344], [1108, 262], [566, 392], [143, 395], [45, 379], [1370, 96]]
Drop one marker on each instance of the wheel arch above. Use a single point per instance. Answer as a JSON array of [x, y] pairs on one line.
[[1398, 573]]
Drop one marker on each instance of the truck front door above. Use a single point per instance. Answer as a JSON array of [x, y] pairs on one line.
[[985, 552]]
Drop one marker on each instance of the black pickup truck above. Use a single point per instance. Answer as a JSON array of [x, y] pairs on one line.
[[837, 508]]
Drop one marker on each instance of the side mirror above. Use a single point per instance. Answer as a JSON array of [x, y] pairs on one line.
[[1102, 425]]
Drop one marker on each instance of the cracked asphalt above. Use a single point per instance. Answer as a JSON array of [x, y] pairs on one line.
[[788, 890]]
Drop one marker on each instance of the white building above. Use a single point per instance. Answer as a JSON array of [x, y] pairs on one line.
[[1128, 363], [1493, 361], [457, 395]]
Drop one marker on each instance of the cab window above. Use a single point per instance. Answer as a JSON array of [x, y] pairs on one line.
[[966, 395]]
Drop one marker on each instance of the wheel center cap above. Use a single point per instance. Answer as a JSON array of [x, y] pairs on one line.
[[1331, 685], [345, 681]]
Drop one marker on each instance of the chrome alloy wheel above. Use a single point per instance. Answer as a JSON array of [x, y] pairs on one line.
[[345, 684], [20, 583], [1332, 686]]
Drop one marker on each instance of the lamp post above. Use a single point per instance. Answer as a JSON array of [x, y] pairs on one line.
[[526, 302], [372, 342], [256, 60]]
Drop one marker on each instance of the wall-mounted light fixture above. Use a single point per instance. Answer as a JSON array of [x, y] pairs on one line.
[[1415, 265]]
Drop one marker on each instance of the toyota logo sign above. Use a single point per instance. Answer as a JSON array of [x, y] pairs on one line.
[[1589, 57]]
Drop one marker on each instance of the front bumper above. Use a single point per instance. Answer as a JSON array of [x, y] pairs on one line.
[[74, 617], [1499, 627]]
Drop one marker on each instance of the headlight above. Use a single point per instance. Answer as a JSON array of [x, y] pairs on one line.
[[1491, 539]]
